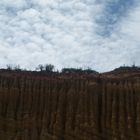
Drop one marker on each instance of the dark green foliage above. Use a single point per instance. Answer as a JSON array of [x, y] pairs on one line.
[[132, 68], [71, 70], [79, 70]]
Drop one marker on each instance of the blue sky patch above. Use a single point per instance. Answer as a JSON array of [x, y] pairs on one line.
[[112, 13]]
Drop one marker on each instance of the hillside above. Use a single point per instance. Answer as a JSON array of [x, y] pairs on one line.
[[70, 106]]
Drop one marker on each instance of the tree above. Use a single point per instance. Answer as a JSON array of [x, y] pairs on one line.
[[17, 68], [89, 70], [13, 67], [49, 67], [40, 67], [72, 70], [9, 67], [46, 67]]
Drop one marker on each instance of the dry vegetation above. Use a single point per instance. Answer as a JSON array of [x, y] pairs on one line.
[[36, 106]]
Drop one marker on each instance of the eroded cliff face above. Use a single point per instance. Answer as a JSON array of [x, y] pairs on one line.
[[74, 108]]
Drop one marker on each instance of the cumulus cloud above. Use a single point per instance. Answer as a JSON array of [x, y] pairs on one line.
[[69, 33]]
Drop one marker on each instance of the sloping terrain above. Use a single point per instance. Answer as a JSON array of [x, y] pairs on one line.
[[69, 106]]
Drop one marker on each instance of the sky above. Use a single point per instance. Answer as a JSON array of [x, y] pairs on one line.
[[101, 34]]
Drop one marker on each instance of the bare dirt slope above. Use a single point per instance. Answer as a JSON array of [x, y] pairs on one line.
[[35, 106]]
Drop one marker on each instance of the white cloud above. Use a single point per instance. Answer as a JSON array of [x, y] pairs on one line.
[[63, 32]]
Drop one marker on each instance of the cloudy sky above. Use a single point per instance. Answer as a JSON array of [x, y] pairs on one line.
[[102, 34]]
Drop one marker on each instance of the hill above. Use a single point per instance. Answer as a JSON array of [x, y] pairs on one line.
[[70, 106]]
